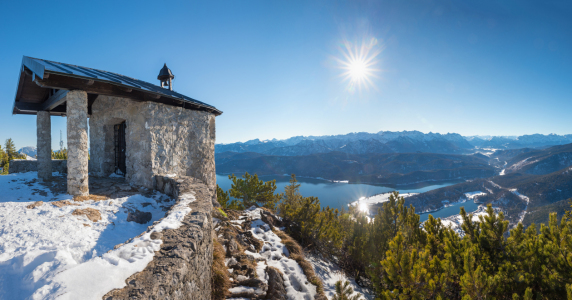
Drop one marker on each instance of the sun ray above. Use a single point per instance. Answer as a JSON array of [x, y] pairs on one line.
[[359, 64]]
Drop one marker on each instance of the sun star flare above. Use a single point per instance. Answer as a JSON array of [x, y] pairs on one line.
[[359, 64]]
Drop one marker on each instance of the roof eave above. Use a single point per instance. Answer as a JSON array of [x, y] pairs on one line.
[[207, 107], [39, 70]]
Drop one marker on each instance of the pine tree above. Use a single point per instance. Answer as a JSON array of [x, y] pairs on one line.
[[291, 198], [2, 154], [62, 154], [10, 150], [344, 291], [224, 200], [252, 191], [3, 161]]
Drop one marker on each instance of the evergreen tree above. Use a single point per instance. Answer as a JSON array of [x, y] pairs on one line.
[[407, 259], [2, 154], [292, 197], [62, 154], [224, 200], [3, 161], [252, 191], [10, 150], [344, 291]]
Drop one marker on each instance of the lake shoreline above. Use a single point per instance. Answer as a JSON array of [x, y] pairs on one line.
[[332, 194], [411, 185]]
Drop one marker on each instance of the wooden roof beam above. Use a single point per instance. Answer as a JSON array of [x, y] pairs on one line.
[[90, 86], [55, 100]]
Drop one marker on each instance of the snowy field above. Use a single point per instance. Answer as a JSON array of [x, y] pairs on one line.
[[364, 202], [379, 198], [474, 195], [49, 251], [455, 221]]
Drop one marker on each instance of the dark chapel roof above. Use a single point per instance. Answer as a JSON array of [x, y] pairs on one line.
[[43, 85]]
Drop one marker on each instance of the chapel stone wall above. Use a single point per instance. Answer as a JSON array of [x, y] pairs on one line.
[[160, 140]]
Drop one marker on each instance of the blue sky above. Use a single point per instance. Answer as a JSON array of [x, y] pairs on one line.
[[471, 67]]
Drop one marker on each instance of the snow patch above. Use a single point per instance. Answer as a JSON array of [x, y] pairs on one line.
[[330, 273], [474, 195], [276, 254]]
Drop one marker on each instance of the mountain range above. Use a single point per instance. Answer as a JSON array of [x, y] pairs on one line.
[[392, 142]]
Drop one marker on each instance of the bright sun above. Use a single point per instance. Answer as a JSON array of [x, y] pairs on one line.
[[359, 64], [357, 70]]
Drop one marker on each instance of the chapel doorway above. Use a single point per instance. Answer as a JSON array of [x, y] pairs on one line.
[[119, 139]]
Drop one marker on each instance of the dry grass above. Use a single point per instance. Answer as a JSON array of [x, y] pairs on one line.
[[233, 214], [93, 214], [257, 243], [35, 204], [220, 282], [89, 197], [289, 242], [62, 203], [297, 254]]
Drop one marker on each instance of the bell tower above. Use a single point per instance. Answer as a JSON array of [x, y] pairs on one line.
[[166, 77]]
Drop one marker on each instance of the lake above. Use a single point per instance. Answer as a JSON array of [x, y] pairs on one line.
[[338, 195], [454, 209]]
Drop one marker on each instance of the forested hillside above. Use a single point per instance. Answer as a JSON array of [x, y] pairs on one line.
[[514, 193], [402, 258], [394, 168], [541, 161]]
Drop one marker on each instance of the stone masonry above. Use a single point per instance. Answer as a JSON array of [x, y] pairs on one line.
[[76, 111], [182, 268], [23, 166], [160, 140], [44, 145]]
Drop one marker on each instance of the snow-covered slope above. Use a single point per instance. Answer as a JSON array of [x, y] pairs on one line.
[[52, 250], [264, 245], [29, 150]]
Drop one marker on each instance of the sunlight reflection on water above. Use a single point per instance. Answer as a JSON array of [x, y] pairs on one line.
[[335, 195]]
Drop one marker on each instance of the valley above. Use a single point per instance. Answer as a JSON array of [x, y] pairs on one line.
[[524, 177]]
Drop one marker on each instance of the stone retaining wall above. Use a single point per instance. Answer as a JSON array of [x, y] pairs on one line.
[[23, 166], [182, 268]]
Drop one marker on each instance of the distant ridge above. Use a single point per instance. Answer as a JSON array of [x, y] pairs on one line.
[[391, 142], [29, 150]]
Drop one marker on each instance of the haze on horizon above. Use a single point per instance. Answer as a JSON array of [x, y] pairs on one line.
[[284, 69]]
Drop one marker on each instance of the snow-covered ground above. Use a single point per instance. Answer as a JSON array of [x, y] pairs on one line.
[[474, 195], [276, 255], [495, 185], [364, 202], [525, 198], [455, 221], [502, 172], [330, 273], [47, 252]]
